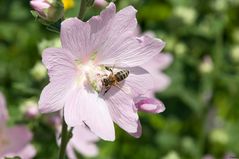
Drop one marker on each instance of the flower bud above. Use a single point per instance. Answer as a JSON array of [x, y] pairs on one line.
[[206, 65], [100, 3], [39, 71], [48, 10], [30, 109]]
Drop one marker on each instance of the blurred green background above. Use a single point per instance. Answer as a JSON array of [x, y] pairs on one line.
[[202, 102]]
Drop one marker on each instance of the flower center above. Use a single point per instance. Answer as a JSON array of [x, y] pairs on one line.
[[91, 74]]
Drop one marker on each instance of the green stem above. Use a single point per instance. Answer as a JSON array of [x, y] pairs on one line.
[[83, 7], [64, 139]]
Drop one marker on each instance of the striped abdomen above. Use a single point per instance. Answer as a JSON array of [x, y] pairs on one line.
[[121, 75]]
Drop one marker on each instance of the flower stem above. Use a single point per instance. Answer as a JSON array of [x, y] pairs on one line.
[[64, 139], [83, 7]]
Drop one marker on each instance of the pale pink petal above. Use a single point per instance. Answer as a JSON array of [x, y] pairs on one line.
[[118, 44], [84, 134], [139, 80], [60, 64], [164, 60], [74, 109], [100, 26], [75, 37], [28, 152], [70, 152], [83, 141], [121, 24], [149, 105], [18, 137], [53, 97], [122, 110], [87, 149], [130, 51], [154, 67], [3, 109], [62, 72], [138, 133], [39, 6], [109, 26], [161, 80], [158, 63], [85, 106]]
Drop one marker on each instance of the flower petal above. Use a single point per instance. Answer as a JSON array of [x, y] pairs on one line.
[[139, 80], [53, 96], [138, 133], [87, 149], [122, 110], [149, 105], [100, 26], [154, 67], [110, 27], [28, 152], [59, 63], [75, 37], [86, 106], [83, 141], [164, 60], [161, 80], [62, 72], [84, 134], [18, 137], [130, 51], [118, 44], [74, 109], [159, 62], [70, 152]]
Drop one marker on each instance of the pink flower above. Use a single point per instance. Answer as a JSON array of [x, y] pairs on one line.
[[77, 70], [30, 109], [14, 141], [100, 3], [40, 6], [49, 10]]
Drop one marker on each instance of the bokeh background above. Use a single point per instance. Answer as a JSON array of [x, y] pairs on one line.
[[202, 102]]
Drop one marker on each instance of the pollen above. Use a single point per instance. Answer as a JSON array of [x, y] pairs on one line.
[[91, 74]]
